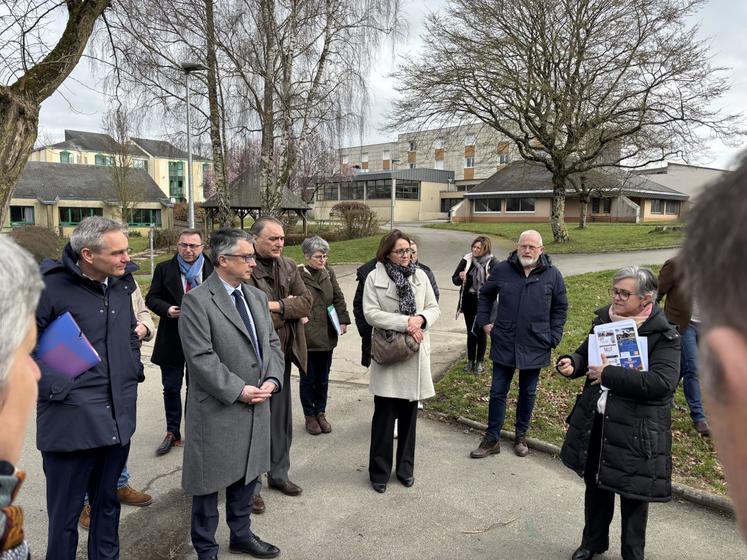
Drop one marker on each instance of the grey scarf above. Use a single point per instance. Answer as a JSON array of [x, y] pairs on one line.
[[478, 272]]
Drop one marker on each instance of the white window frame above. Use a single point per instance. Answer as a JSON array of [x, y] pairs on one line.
[[468, 160]]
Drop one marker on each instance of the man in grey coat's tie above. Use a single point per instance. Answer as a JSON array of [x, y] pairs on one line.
[[235, 364]]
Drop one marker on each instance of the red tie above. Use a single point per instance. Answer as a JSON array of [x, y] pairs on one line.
[[187, 286]]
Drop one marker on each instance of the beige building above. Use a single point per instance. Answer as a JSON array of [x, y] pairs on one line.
[[417, 194], [59, 195], [522, 192], [164, 162], [687, 179]]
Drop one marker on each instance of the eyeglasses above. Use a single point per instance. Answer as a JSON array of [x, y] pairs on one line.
[[402, 252], [622, 294], [246, 258], [529, 247], [319, 257], [192, 246]]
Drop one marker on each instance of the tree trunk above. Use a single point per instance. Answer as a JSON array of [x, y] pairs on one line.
[[584, 203], [223, 215], [557, 213], [271, 202]]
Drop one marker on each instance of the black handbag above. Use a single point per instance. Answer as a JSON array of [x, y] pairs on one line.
[[390, 347]]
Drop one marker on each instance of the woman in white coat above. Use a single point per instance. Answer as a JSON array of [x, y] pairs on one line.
[[398, 296]]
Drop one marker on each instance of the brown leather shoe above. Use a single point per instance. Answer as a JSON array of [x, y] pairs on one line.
[[129, 496], [258, 504], [312, 426], [520, 446], [168, 442], [85, 517], [324, 424], [703, 428], [488, 446], [286, 487]]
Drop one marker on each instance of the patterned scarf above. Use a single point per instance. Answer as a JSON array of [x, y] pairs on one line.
[[478, 271], [399, 275]]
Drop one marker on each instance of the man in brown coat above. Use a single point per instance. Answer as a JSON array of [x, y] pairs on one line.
[[682, 311], [289, 302]]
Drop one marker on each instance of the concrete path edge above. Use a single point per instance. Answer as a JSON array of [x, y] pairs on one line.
[[694, 495]]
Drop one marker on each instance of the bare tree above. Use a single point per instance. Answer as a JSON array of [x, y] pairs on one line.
[[575, 84], [31, 69]]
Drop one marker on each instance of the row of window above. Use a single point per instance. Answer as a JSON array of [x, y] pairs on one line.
[[497, 205], [380, 189], [665, 207], [24, 216], [502, 159]]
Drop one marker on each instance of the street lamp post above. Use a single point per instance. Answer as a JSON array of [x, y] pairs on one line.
[[188, 68], [394, 193]]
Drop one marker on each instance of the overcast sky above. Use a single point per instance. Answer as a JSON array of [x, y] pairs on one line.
[[80, 105]]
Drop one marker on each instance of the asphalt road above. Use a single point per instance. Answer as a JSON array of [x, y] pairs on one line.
[[502, 507]]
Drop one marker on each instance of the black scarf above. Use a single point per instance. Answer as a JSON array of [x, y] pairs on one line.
[[399, 275]]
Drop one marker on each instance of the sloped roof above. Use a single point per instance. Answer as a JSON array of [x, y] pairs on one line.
[[50, 181], [523, 178], [93, 142], [164, 149], [244, 193]]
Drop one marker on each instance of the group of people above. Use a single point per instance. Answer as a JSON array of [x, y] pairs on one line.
[[238, 317]]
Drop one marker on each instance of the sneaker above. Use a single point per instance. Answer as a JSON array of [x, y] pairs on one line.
[[703, 428], [488, 446], [129, 496], [324, 424], [85, 517], [469, 366], [479, 367], [520, 446], [312, 426]]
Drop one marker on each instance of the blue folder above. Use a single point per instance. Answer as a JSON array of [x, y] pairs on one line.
[[65, 348]]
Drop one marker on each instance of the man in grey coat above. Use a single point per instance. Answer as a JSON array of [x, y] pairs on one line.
[[235, 364]]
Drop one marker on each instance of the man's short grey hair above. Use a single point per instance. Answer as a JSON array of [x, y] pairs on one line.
[[532, 232], [20, 287], [90, 233], [645, 280], [311, 245], [224, 241], [715, 263], [260, 224]]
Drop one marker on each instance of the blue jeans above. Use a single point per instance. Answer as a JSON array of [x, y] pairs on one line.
[[689, 372], [502, 376]]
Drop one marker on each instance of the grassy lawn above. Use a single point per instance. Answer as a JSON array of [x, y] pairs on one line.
[[465, 394], [596, 238]]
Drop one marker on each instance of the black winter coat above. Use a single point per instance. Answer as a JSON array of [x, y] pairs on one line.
[[364, 329], [636, 455], [166, 289], [531, 312], [98, 407]]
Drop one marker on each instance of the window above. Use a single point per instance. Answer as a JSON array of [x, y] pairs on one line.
[[364, 158], [469, 140], [345, 160], [102, 159], [469, 161], [407, 190], [144, 217], [672, 207], [327, 192], [657, 206], [66, 157], [176, 180], [448, 203], [352, 191], [21, 215], [601, 205], [438, 143], [520, 205], [140, 164], [412, 145], [488, 204], [413, 165], [438, 164], [503, 159], [73, 216], [379, 189]]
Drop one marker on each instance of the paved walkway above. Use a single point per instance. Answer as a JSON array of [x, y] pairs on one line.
[[501, 507]]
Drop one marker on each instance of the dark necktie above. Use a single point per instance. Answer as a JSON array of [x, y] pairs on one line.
[[238, 299]]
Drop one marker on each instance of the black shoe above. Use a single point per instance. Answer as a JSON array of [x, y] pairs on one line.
[[254, 547], [407, 482], [582, 554], [380, 487], [168, 442]]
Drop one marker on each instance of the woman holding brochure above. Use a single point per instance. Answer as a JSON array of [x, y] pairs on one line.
[[619, 434], [327, 319]]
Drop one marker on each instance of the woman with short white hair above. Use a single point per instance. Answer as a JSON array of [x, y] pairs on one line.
[[20, 287]]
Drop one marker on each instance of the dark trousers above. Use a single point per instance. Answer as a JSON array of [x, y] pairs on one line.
[[476, 341], [69, 476], [172, 378], [314, 383], [386, 411], [502, 376], [205, 517], [599, 507]]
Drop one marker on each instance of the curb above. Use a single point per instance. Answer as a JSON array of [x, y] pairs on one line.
[[702, 498]]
